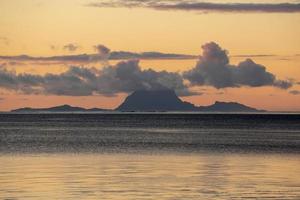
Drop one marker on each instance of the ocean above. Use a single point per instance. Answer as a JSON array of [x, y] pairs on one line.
[[149, 156]]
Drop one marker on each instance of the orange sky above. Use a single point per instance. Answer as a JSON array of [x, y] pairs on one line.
[[31, 27]]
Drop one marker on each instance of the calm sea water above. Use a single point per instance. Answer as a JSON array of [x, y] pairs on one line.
[[149, 156]]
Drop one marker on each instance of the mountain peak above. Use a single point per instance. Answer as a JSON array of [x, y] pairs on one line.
[[220, 106], [154, 100], [167, 100]]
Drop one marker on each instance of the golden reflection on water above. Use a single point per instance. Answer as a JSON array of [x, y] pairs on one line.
[[139, 176]]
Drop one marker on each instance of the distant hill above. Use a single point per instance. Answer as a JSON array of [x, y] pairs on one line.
[[167, 100], [227, 107], [151, 101], [158, 100], [62, 108]]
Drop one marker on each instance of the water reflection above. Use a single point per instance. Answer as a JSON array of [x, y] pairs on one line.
[[142, 176]]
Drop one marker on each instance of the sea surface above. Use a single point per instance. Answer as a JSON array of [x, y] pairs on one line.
[[149, 156]]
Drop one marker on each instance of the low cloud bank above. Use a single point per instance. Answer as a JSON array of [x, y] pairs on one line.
[[100, 56], [212, 69], [197, 5], [125, 77]]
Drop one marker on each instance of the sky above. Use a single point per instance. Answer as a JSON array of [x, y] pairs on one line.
[[89, 53]]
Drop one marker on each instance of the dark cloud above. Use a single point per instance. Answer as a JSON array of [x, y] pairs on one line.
[[86, 58], [77, 81], [128, 76], [27, 83], [283, 84], [71, 47], [158, 55], [295, 92], [102, 50], [103, 53], [214, 69], [197, 5], [255, 55], [60, 58]]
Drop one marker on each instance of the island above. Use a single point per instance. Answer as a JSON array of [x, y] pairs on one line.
[[152, 101]]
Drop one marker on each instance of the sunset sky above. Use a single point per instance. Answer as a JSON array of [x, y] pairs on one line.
[[260, 67]]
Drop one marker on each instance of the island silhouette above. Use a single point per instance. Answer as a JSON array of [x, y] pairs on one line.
[[152, 101]]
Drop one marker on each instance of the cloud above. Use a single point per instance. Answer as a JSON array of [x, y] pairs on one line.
[[126, 76], [295, 92], [255, 55], [86, 58], [103, 53], [214, 69], [197, 5], [26, 83], [102, 50], [71, 47]]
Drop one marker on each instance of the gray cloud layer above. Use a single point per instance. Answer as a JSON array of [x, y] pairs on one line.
[[295, 92], [214, 69], [102, 50], [196, 5], [77, 81], [114, 55], [71, 47]]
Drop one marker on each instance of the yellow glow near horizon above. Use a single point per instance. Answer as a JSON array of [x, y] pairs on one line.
[[32, 26]]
